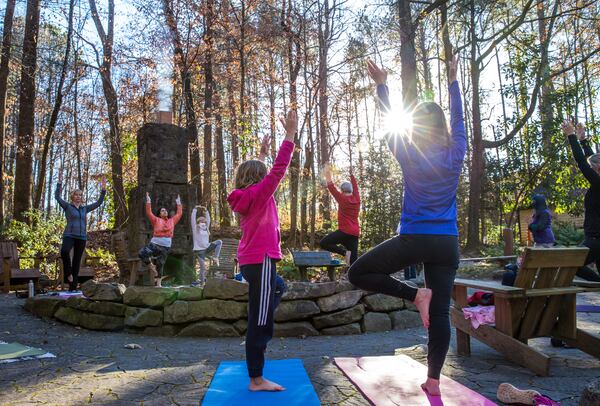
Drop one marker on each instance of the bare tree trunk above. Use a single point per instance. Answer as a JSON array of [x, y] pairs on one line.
[[112, 104], [54, 116], [408, 59], [324, 37], [26, 124], [208, 95], [183, 65], [221, 170], [4, 61]]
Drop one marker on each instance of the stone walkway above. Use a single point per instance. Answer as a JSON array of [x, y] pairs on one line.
[[94, 368]]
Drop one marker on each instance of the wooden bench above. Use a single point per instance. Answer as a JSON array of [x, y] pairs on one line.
[[11, 274], [228, 263], [540, 304], [320, 259], [130, 268]]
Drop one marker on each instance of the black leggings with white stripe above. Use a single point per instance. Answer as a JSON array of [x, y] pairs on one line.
[[261, 306]]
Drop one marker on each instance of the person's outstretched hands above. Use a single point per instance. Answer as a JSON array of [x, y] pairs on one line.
[[568, 127], [148, 197], [580, 131], [290, 124], [452, 72], [376, 73]]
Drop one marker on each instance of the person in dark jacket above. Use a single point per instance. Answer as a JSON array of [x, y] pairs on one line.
[[541, 223], [589, 165], [75, 234], [431, 157]]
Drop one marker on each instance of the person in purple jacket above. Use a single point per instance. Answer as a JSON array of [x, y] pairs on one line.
[[431, 158], [541, 223]]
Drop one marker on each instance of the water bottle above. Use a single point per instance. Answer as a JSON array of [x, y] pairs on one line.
[[31, 288]]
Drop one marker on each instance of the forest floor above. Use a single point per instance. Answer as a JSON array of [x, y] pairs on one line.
[[93, 367]]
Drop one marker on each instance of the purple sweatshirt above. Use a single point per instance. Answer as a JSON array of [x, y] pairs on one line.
[[431, 175]]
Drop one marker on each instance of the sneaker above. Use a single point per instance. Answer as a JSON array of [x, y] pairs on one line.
[[511, 395], [196, 284], [216, 261]]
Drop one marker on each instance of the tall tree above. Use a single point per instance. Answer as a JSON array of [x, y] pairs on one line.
[[37, 201], [26, 123], [4, 61], [112, 104], [208, 100]]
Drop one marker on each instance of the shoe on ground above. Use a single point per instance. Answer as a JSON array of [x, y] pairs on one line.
[[347, 257], [511, 395]]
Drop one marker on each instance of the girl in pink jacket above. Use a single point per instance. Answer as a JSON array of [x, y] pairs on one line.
[[259, 248]]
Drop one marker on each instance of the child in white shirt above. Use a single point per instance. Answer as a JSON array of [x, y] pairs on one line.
[[202, 244]]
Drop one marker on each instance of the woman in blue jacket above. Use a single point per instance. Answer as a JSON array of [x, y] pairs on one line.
[[75, 234], [431, 158]]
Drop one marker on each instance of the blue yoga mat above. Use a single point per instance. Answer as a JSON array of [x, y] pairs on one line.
[[229, 386], [588, 309]]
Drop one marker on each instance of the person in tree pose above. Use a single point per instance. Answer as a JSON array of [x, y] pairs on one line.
[[541, 223], [348, 227], [259, 249], [431, 158], [162, 238], [75, 234], [589, 165], [202, 245]]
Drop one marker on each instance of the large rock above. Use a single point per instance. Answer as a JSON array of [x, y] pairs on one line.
[[109, 292], [343, 317], [342, 300], [241, 326], [402, 319], [189, 293], [376, 322], [90, 321], [209, 328], [166, 330], [142, 317], [308, 290], [348, 329], [43, 306], [149, 296], [383, 303], [216, 288], [295, 329], [410, 306], [106, 308], [182, 311], [591, 394], [343, 286], [296, 310]]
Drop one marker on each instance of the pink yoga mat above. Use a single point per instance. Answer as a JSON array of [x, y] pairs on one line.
[[396, 380]]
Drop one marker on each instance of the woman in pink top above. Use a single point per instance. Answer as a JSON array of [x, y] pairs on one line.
[[259, 248], [162, 238]]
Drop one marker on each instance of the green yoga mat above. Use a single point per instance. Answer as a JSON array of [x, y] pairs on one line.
[[16, 350]]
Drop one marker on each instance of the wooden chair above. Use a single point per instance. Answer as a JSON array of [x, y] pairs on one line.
[[86, 270], [130, 268], [228, 263], [12, 276], [321, 259], [540, 304]]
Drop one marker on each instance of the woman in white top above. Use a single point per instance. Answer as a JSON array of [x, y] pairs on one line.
[[202, 244]]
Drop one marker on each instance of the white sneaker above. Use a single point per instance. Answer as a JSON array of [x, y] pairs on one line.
[[347, 257], [216, 260]]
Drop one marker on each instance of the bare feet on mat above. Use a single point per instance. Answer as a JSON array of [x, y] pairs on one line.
[[422, 301], [262, 384], [432, 387]]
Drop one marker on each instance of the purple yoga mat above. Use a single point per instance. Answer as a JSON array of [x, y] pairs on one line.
[[396, 380], [588, 309]]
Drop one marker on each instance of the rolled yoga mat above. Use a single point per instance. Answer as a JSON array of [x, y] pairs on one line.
[[588, 309], [396, 380], [229, 386]]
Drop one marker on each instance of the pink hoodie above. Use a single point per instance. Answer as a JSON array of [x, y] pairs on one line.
[[258, 213]]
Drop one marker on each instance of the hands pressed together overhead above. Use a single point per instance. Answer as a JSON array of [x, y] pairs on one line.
[[376, 73], [569, 128]]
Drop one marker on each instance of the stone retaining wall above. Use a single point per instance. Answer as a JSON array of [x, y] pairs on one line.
[[220, 309]]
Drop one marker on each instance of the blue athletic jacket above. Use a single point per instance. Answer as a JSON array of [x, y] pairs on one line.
[[76, 217], [431, 175]]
